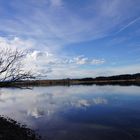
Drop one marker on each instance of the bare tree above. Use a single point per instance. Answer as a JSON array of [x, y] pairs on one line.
[[11, 66]]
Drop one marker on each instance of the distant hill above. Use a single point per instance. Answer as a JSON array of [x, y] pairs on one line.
[[116, 77]]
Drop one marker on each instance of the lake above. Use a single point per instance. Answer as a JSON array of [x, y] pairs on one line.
[[76, 112]]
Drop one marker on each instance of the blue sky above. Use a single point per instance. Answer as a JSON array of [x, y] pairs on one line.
[[74, 38]]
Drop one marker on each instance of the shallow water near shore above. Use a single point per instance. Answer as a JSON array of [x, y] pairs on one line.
[[76, 112]]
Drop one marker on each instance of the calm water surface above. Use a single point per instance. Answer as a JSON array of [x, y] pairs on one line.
[[76, 112]]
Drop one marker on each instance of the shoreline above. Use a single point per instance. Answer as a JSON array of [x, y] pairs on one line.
[[69, 82], [127, 79]]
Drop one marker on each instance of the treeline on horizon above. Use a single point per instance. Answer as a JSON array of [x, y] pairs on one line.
[[115, 77]]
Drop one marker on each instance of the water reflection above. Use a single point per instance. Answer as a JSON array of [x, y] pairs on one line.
[[88, 102], [76, 112]]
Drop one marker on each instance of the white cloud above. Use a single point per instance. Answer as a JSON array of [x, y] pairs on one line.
[[15, 43], [98, 61], [81, 60], [45, 63]]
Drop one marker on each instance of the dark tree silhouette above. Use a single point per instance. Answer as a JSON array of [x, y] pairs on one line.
[[11, 66]]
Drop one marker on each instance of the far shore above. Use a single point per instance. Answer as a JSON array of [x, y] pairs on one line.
[[126, 79]]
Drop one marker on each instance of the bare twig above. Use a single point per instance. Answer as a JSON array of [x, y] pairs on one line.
[[11, 66]]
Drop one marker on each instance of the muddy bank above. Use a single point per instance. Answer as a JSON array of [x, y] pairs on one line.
[[12, 130]]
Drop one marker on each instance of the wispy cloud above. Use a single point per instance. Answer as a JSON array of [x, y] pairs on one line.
[[129, 24], [55, 21]]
